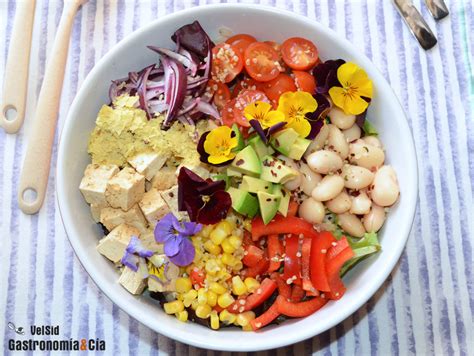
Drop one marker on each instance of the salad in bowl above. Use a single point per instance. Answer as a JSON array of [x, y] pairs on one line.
[[237, 181]]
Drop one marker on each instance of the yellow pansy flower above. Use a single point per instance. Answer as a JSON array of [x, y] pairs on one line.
[[262, 112], [355, 84], [295, 105], [219, 144]]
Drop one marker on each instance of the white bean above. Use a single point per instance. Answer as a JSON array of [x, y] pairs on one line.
[[319, 141], [312, 211], [337, 142], [309, 179], [324, 161], [353, 133], [356, 177], [365, 155], [385, 187], [340, 204], [360, 204], [374, 220], [351, 224], [295, 182], [329, 187], [373, 140], [340, 119]]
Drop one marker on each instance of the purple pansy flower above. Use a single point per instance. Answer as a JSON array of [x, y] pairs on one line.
[[174, 235], [133, 252]]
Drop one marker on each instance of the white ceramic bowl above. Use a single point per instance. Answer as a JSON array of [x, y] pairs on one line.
[[267, 24]]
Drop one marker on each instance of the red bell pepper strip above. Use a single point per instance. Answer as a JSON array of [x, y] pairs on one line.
[[301, 309], [282, 225], [292, 208], [305, 264], [266, 289], [252, 255], [247, 240], [292, 268], [266, 318], [333, 266], [260, 268], [337, 247], [284, 289], [319, 248], [297, 294], [275, 252], [197, 277]]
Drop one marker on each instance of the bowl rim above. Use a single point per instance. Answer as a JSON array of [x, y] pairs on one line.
[[285, 338]]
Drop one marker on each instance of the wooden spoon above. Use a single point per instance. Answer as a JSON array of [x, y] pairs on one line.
[[35, 172], [12, 109]]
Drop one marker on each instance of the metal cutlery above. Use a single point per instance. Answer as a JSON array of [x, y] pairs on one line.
[[437, 8]]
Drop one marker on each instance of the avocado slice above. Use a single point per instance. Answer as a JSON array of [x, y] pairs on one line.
[[269, 204], [299, 148], [247, 162], [275, 171], [285, 198], [240, 139], [283, 140], [255, 185], [260, 147], [231, 172], [243, 202]]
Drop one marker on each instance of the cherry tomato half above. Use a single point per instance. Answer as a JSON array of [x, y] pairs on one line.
[[227, 113], [261, 62], [304, 81], [245, 98], [275, 87], [221, 93], [227, 62], [241, 41], [277, 47], [246, 83], [299, 53]]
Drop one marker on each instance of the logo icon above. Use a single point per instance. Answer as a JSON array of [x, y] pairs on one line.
[[19, 331]]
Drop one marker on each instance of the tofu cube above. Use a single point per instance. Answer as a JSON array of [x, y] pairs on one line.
[[164, 179], [111, 218], [148, 163], [94, 183], [132, 281], [153, 206], [199, 169], [149, 242], [125, 189], [170, 196], [114, 244], [96, 210]]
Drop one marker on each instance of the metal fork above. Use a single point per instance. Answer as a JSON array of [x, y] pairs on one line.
[[418, 26]]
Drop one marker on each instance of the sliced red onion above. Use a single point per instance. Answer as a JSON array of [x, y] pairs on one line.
[[141, 90], [175, 88], [207, 108], [185, 61]]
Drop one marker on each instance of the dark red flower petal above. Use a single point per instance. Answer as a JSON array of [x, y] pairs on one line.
[[215, 209], [316, 118], [326, 75]]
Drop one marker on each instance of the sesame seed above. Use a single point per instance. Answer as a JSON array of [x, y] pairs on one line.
[[298, 254], [337, 294], [289, 281], [334, 243], [259, 291], [242, 301], [258, 325], [241, 309], [324, 250], [323, 295]]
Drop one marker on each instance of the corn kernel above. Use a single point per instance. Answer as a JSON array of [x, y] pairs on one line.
[[238, 286], [173, 307], [217, 288], [247, 327], [227, 246], [225, 300], [227, 226], [218, 235], [238, 266], [214, 320], [211, 298], [248, 225], [202, 296], [182, 315], [183, 285], [212, 267], [189, 297], [203, 311], [228, 259], [252, 284], [235, 241], [195, 304], [244, 318], [206, 230], [226, 317], [211, 248]]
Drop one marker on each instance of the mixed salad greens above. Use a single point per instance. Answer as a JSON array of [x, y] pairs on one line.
[[289, 192]]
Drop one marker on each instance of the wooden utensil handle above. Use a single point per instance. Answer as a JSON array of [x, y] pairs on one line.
[[36, 167], [16, 72]]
